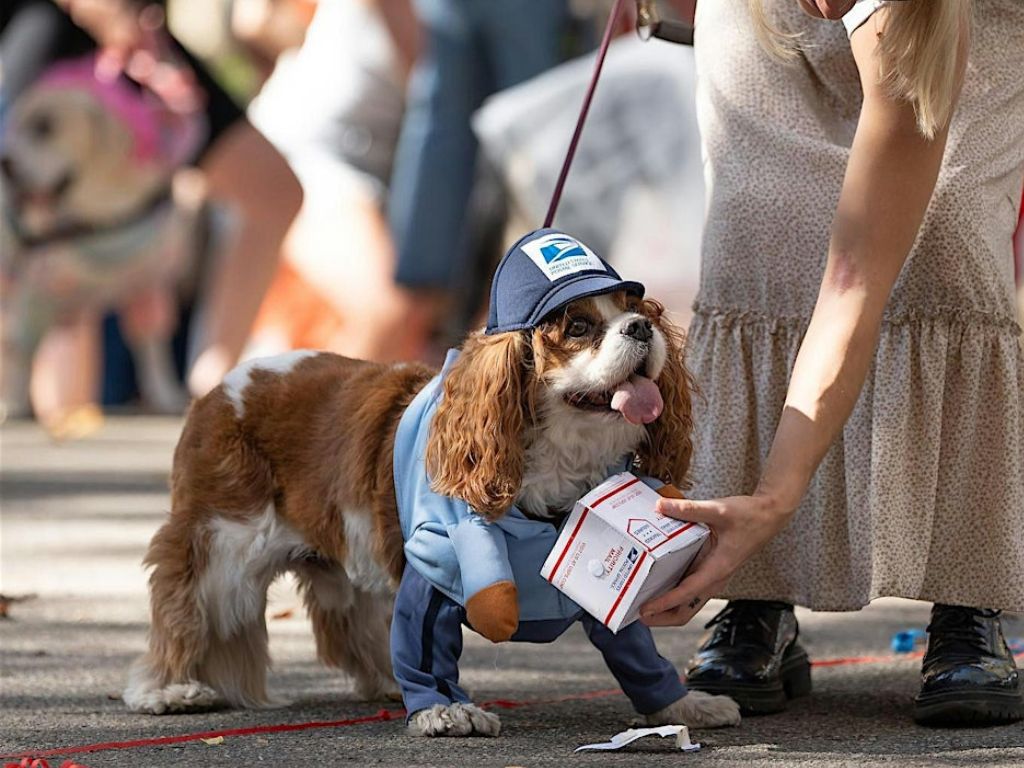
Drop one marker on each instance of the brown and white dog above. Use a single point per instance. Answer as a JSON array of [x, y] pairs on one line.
[[95, 214], [287, 466]]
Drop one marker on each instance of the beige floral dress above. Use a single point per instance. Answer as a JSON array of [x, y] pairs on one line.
[[922, 496]]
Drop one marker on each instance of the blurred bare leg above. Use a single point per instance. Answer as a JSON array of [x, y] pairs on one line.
[[248, 176], [65, 378], [343, 247]]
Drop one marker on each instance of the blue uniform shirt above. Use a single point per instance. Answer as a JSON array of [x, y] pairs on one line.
[[455, 549]]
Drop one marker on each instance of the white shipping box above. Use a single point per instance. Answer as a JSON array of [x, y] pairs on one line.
[[615, 552]]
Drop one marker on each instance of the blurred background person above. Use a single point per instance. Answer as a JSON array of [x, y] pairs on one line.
[[333, 107], [265, 30], [242, 173], [470, 50], [636, 190], [336, 76]]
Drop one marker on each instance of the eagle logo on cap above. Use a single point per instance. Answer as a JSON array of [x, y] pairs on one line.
[[559, 255], [561, 248]]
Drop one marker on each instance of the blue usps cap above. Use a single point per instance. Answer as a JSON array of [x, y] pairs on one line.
[[544, 271]]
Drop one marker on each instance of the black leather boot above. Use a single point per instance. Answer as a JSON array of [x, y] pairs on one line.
[[752, 655], [969, 675]]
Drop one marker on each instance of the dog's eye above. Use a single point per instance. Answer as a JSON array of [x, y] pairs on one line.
[[578, 327], [41, 127]]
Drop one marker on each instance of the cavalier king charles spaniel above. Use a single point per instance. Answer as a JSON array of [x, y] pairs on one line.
[[287, 466]]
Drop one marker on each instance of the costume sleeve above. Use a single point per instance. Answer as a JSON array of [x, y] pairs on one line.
[[456, 550], [451, 546], [482, 553]]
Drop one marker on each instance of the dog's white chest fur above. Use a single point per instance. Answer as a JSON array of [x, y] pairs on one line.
[[569, 455]]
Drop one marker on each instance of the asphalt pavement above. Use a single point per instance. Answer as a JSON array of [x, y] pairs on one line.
[[74, 522]]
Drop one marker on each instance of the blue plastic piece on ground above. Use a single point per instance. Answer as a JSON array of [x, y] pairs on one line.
[[904, 642]]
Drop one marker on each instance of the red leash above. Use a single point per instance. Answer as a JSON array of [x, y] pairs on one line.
[[380, 717], [33, 758], [556, 196]]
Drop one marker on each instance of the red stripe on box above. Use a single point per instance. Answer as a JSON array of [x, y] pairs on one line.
[[608, 495], [671, 536], [579, 523], [568, 544], [625, 588]]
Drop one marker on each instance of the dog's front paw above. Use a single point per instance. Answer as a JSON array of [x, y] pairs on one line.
[[454, 720], [697, 710]]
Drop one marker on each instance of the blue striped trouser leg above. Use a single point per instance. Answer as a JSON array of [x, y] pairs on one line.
[[645, 676], [426, 642]]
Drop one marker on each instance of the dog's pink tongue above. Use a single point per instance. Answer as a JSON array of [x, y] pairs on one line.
[[638, 400]]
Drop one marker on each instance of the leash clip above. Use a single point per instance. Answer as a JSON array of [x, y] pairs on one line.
[[650, 24]]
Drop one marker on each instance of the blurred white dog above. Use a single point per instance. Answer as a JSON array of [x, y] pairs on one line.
[[96, 215]]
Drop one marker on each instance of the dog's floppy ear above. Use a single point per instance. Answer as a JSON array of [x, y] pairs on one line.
[[669, 447], [475, 450]]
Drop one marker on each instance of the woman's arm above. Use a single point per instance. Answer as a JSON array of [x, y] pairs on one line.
[[889, 181]]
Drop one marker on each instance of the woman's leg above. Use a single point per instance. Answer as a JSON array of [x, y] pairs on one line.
[[65, 378], [245, 174]]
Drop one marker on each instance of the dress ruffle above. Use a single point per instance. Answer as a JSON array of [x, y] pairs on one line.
[[921, 497]]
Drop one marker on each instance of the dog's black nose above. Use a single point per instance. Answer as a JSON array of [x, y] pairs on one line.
[[638, 328]]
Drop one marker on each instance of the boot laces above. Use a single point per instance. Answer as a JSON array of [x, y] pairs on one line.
[[957, 631], [745, 620]]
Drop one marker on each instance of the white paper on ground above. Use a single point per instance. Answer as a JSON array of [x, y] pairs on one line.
[[619, 740]]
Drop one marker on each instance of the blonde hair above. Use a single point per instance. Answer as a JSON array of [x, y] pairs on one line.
[[920, 49]]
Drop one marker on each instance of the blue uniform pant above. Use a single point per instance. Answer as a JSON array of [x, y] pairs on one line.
[[426, 643]]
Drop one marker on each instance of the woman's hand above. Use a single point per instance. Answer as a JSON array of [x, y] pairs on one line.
[[740, 527]]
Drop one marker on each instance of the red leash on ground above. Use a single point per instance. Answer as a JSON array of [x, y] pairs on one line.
[[382, 716], [34, 758]]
